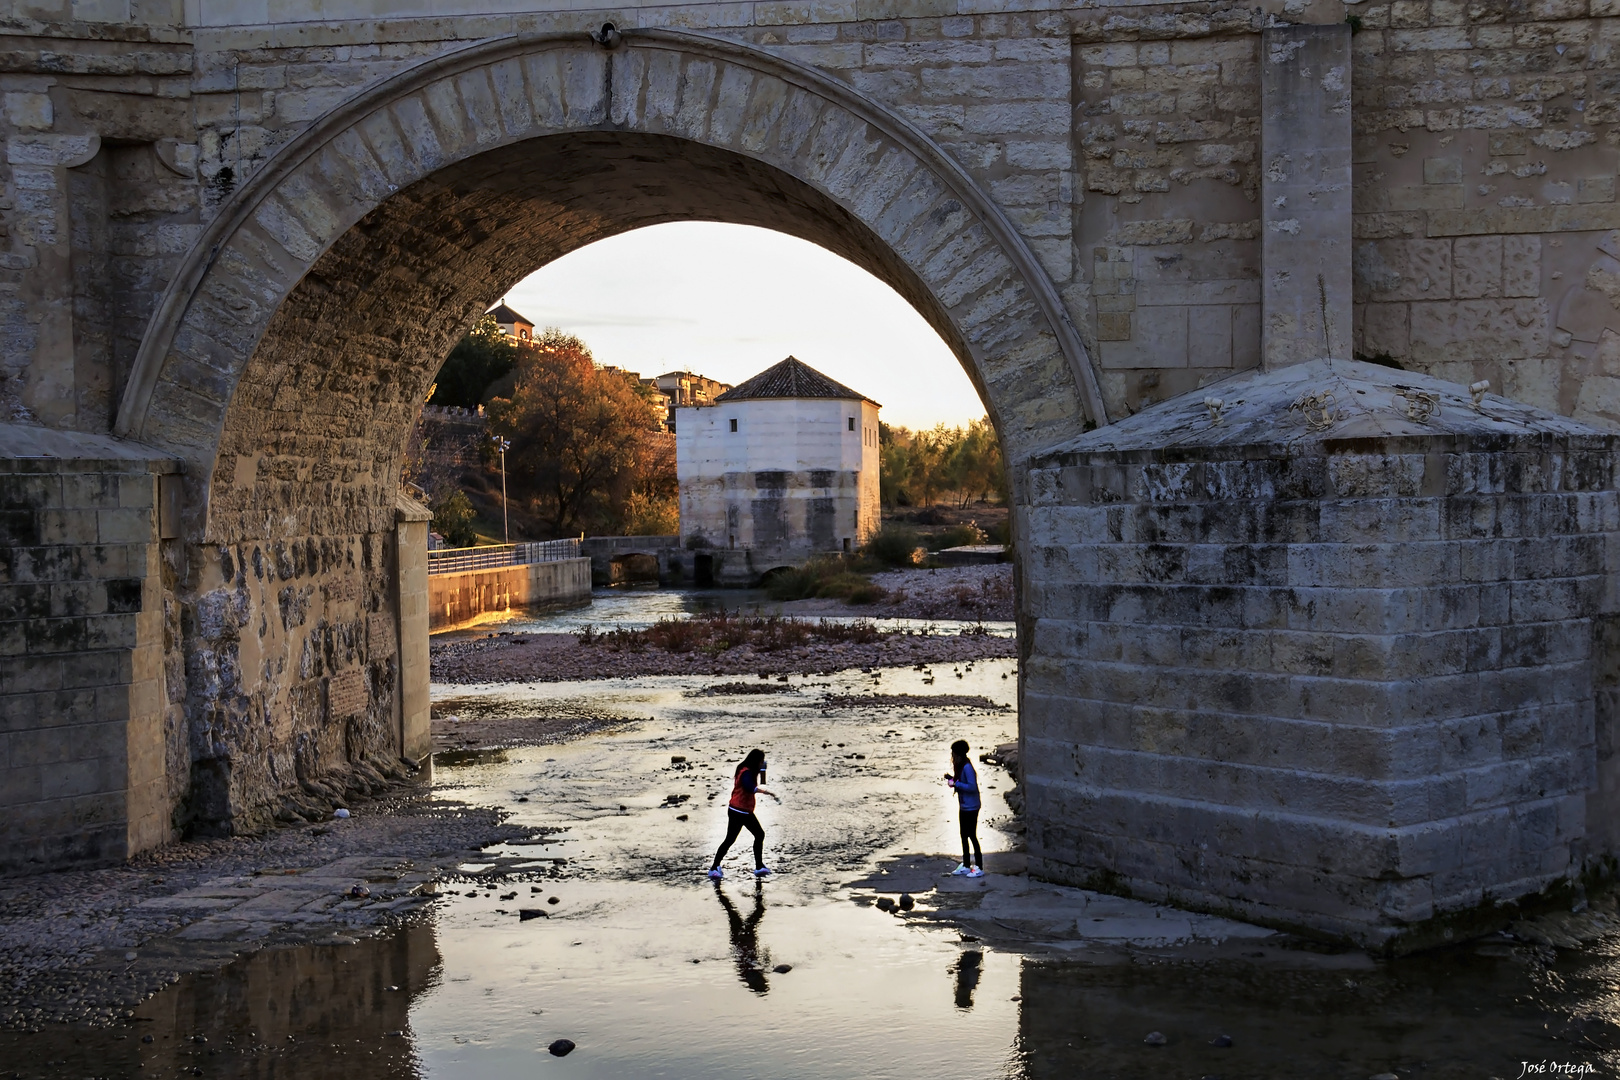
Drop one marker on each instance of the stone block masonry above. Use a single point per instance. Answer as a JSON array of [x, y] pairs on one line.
[[1345, 661], [93, 756], [1340, 679]]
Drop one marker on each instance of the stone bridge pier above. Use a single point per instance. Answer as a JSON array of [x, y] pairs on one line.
[[1299, 323]]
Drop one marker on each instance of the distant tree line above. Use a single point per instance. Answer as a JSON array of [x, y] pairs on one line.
[[955, 464], [586, 454]]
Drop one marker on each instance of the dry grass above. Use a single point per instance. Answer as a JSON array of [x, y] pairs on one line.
[[718, 632]]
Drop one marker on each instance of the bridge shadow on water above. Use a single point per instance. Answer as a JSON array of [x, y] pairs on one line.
[[363, 1011]]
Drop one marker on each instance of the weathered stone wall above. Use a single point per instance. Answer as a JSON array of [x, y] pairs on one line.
[[1343, 681], [1486, 151], [332, 210], [93, 755]]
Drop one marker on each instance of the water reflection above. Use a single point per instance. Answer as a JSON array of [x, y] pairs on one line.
[[967, 969], [330, 1012], [334, 1012], [1468, 1012], [751, 961], [637, 609]]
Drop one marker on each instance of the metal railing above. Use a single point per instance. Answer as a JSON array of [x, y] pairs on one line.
[[460, 560]]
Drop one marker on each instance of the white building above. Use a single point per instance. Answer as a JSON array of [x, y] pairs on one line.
[[785, 464]]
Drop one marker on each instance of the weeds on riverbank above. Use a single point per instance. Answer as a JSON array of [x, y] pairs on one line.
[[831, 578], [720, 631]]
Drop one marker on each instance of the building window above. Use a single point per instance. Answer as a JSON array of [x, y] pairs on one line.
[[734, 425], [846, 543], [852, 423]]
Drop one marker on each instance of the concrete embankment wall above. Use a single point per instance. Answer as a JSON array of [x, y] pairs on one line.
[[458, 599]]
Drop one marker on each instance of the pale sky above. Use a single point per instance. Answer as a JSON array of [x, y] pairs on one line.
[[728, 301]]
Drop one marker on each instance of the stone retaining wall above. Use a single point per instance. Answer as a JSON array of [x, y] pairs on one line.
[[463, 599]]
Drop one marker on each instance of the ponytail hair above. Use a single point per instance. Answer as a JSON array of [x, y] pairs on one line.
[[754, 760]]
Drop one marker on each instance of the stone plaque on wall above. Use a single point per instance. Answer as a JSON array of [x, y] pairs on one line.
[[380, 634], [346, 694]]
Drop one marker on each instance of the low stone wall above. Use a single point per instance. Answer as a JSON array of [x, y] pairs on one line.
[[459, 599]]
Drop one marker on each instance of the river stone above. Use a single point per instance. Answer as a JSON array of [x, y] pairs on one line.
[[561, 1048], [1156, 1038]]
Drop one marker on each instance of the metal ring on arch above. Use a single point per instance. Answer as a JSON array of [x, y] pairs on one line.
[[160, 331]]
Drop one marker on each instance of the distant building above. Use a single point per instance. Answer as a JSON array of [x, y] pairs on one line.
[[786, 462], [683, 388], [511, 323]]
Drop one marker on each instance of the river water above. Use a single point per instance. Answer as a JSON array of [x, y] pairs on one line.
[[653, 970]]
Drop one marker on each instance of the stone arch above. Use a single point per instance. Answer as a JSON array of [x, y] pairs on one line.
[[895, 203], [292, 351]]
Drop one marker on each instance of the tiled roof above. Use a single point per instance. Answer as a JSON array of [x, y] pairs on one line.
[[504, 314], [792, 378]]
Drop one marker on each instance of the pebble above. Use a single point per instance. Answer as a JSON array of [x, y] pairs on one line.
[[885, 903], [906, 902], [561, 1048], [1222, 1041], [525, 914], [1156, 1038], [130, 956], [147, 1039], [782, 969], [681, 817], [340, 813], [552, 900]]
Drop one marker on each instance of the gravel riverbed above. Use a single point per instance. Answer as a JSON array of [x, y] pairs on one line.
[[564, 658]]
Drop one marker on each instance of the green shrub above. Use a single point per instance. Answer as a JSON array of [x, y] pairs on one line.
[[455, 520], [957, 536], [823, 579], [893, 545]]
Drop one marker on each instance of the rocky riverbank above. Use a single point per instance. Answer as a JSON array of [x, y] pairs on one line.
[[86, 945], [969, 593], [566, 657]]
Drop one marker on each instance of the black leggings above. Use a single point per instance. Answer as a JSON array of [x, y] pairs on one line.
[[970, 831], [736, 821]]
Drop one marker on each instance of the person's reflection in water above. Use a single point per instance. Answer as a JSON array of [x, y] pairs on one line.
[[966, 969], [751, 962]]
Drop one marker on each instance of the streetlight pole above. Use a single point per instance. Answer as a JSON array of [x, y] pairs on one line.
[[503, 446]]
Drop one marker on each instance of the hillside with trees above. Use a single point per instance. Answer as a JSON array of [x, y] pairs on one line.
[[586, 454]]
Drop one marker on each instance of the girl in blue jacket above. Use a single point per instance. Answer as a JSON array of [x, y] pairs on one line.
[[965, 781]]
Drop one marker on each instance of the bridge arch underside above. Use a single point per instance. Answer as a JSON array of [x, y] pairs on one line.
[[303, 355]]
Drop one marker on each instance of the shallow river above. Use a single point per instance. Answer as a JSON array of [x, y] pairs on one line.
[[655, 971]]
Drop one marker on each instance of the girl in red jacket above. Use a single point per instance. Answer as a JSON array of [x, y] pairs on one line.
[[747, 782]]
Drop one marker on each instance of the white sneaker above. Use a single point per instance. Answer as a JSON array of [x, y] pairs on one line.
[[961, 870], [762, 871], [976, 872], [717, 873]]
